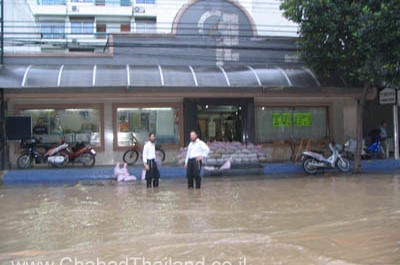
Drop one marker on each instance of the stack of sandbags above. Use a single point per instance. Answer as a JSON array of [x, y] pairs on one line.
[[236, 152]]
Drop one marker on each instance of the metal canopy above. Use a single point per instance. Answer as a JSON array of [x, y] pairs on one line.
[[109, 76]]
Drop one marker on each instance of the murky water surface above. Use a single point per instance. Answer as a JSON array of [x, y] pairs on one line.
[[232, 221]]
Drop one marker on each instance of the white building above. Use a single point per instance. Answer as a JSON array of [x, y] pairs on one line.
[[171, 67], [85, 25]]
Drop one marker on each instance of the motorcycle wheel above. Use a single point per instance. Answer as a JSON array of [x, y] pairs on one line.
[[88, 159], [24, 161], [308, 168], [343, 164], [131, 156], [161, 154]]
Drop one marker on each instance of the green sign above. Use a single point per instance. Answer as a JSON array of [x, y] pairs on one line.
[[281, 119], [302, 119]]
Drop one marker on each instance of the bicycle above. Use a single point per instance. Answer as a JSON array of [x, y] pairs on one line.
[[131, 156]]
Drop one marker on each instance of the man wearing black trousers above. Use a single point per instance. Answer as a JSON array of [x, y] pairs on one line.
[[150, 164], [196, 151]]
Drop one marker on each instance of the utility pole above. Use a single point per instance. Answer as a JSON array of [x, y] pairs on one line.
[[2, 32], [3, 140], [396, 126]]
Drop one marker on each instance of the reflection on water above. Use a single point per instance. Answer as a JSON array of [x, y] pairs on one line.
[[240, 221]]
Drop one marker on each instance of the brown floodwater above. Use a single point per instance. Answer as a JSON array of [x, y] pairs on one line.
[[328, 220]]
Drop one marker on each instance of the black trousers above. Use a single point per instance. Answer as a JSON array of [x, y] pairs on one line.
[[193, 173], [152, 175]]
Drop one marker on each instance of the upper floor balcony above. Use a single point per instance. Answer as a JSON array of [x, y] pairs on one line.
[[82, 7], [93, 7]]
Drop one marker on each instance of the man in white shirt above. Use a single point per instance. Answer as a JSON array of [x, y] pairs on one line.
[[149, 161], [196, 151]]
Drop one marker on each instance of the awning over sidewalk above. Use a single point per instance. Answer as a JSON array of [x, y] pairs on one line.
[[103, 76]]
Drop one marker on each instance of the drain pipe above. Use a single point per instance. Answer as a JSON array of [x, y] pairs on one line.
[[2, 32], [3, 140], [396, 130]]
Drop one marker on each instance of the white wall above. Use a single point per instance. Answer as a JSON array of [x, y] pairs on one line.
[[265, 13], [166, 13], [20, 27], [269, 19]]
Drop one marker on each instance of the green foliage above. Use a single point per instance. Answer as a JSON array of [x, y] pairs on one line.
[[358, 40]]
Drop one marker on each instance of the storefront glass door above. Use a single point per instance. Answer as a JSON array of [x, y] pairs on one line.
[[220, 119], [220, 123]]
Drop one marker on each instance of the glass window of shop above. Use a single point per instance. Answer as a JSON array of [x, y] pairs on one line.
[[280, 123], [139, 122], [70, 125]]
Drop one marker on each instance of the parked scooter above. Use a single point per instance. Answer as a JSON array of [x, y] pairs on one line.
[[349, 149], [376, 149], [31, 154], [313, 161], [79, 153]]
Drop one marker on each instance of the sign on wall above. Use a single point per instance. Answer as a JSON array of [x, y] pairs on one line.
[[387, 96], [281, 119], [301, 119]]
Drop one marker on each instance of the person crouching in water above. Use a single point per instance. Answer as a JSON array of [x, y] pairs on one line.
[[149, 160], [196, 151]]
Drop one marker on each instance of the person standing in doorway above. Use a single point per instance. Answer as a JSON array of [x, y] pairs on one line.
[[383, 134], [149, 160], [196, 151]]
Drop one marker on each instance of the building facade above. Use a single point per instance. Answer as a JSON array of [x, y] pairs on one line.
[[213, 71], [85, 25]]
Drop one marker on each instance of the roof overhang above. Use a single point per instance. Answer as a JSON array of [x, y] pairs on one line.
[[157, 76]]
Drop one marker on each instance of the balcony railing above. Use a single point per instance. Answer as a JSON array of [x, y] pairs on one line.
[[94, 2]]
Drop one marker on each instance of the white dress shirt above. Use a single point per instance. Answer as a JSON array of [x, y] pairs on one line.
[[149, 151], [196, 149]]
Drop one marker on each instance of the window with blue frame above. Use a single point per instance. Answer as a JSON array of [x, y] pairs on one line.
[[51, 2], [145, 1], [146, 25], [82, 1], [125, 2], [113, 2], [82, 26], [53, 30]]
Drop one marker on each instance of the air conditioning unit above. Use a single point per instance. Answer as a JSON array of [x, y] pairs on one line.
[[139, 10], [75, 8]]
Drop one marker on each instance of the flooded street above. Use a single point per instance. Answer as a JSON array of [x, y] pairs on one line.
[[231, 221]]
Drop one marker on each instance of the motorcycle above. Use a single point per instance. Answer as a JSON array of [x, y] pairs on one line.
[[376, 149], [132, 155], [58, 156], [79, 153], [313, 161], [31, 154], [349, 149]]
